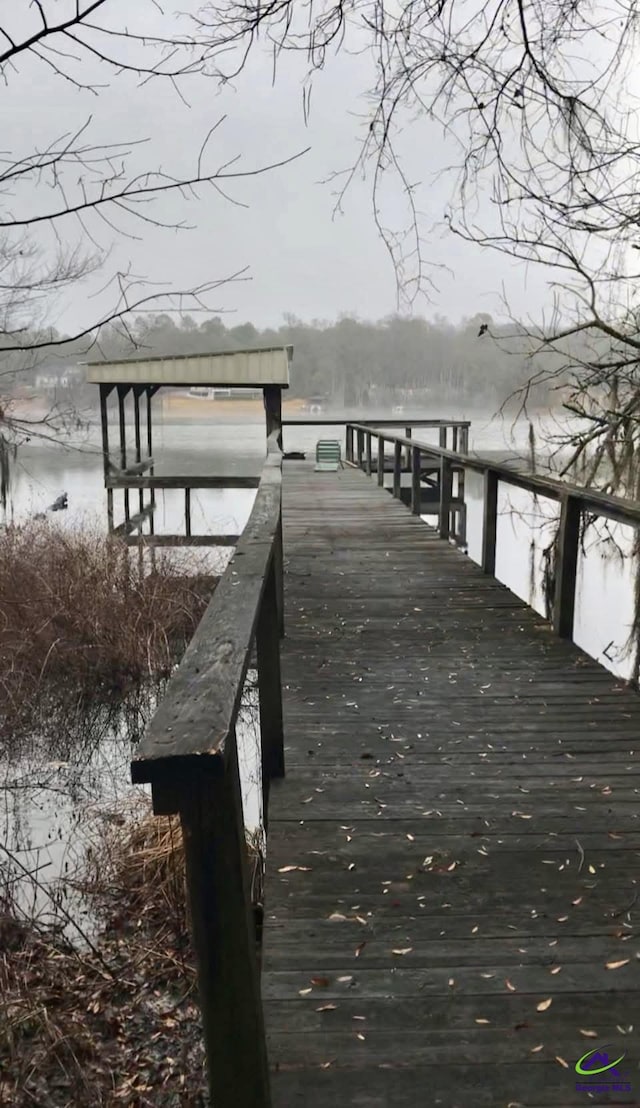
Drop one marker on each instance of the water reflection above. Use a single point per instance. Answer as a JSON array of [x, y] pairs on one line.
[[53, 808]]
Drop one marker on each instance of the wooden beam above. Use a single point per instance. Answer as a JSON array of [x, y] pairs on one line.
[[122, 391], [273, 410], [446, 494], [380, 461], [187, 511], [133, 522], [490, 521], [120, 481], [408, 435], [131, 471], [566, 567], [349, 442], [104, 423], [415, 480], [270, 688], [149, 391], [224, 937], [397, 469], [278, 563], [183, 540], [342, 421], [140, 467], [137, 392], [199, 710], [369, 459]]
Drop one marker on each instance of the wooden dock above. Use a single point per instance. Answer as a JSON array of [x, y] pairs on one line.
[[453, 855]]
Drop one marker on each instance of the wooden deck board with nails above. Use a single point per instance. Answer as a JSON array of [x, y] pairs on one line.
[[457, 838]]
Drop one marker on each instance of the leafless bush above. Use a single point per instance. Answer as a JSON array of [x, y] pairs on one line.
[[80, 628], [115, 1021]]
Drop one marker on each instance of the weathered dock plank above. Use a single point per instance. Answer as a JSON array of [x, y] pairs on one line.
[[457, 840]]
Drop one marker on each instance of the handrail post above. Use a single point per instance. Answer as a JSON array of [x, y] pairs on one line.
[[415, 480], [278, 569], [380, 461], [490, 521], [349, 442], [224, 935], [270, 688], [461, 508], [566, 567], [446, 488], [369, 465], [464, 440], [272, 396], [359, 445], [106, 461], [442, 438], [122, 391], [187, 512], [407, 435], [397, 469]]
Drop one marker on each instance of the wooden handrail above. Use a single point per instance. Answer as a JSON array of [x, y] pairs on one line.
[[574, 500], [598, 503], [189, 755], [342, 421], [228, 481]]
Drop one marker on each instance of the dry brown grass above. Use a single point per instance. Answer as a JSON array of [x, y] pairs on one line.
[[79, 625], [115, 1023]]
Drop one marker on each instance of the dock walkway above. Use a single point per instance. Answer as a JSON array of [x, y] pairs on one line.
[[453, 859]]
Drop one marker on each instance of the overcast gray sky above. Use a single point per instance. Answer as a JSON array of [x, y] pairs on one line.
[[301, 258]]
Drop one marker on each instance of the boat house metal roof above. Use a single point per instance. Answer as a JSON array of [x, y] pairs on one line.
[[248, 368]]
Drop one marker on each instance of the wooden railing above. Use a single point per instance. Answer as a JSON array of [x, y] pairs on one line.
[[190, 757], [576, 503]]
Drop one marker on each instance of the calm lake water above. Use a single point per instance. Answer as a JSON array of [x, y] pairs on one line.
[[49, 825]]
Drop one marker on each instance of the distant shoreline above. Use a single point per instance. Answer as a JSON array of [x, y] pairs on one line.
[[172, 408]]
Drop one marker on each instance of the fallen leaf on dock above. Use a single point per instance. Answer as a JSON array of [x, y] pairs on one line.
[[617, 965], [544, 1004], [320, 982], [327, 1008], [403, 950], [588, 1034], [290, 869]]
